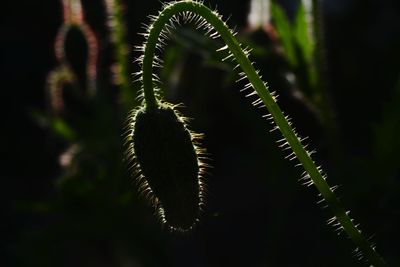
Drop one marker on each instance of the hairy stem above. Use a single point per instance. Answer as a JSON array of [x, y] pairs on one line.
[[313, 172]]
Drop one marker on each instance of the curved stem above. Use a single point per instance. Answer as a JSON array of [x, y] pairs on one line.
[[260, 87], [74, 18]]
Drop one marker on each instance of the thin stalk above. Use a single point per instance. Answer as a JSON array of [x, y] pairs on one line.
[[261, 89], [118, 39]]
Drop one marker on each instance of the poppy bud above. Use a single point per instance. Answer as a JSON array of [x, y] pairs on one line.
[[168, 163]]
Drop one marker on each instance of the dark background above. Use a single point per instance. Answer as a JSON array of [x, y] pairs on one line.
[[257, 213]]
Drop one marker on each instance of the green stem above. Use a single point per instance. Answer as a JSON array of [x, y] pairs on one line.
[[260, 87], [118, 39]]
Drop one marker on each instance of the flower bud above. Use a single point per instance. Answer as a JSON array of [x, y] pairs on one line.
[[168, 165]]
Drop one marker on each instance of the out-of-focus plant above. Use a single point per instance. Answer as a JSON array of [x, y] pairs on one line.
[[300, 42], [87, 106]]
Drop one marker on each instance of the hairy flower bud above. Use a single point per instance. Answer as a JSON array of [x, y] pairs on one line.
[[168, 165]]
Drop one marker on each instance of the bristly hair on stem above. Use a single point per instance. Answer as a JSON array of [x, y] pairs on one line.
[[175, 13]]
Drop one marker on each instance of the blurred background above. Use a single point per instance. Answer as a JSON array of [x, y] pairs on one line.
[[67, 194]]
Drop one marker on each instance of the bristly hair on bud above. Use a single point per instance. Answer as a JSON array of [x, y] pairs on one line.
[[167, 162]]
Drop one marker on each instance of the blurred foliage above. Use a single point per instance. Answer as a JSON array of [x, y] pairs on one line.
[[257, 214]]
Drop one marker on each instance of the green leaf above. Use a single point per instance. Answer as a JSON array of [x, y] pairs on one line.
[[284, 30], [303, 32], [62, 129]]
